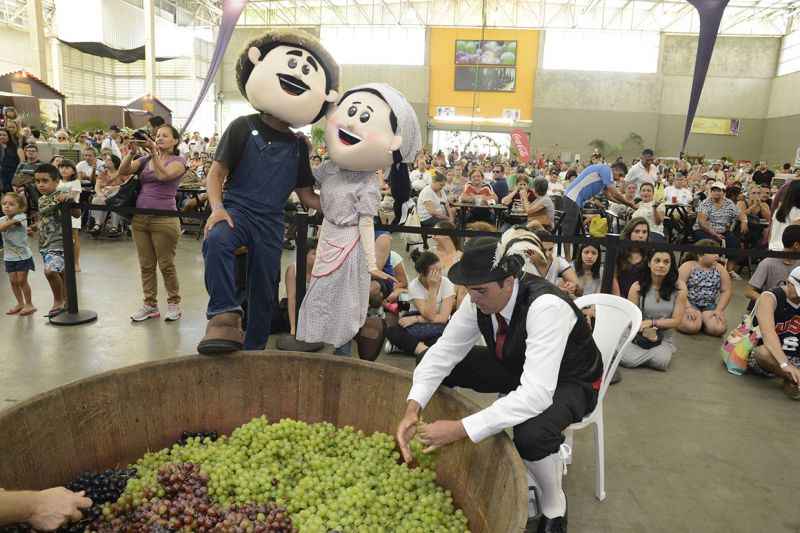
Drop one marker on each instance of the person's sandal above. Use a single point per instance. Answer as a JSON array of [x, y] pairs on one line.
[[223, 335]]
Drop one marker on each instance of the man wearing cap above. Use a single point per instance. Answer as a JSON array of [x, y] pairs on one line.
[[715, 218], [539, 354], [716, 172]]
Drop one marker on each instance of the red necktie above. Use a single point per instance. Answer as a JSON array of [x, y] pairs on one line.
[[500, 337]]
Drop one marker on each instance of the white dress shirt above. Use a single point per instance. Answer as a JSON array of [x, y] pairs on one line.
[[549, 323], [638, 175]]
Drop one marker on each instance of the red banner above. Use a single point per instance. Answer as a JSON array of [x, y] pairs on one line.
[[520, 140]]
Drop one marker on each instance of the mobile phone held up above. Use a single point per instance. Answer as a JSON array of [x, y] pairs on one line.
[[141, 136]]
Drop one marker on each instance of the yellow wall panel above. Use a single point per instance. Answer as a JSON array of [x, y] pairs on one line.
[[491, 104]]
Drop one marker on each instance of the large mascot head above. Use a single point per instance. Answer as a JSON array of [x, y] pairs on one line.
[[289, 75], [372, 127]]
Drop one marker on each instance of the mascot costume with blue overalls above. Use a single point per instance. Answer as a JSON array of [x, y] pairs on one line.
[[290, 79]]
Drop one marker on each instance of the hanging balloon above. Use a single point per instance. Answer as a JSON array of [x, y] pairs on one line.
[[710, 12]]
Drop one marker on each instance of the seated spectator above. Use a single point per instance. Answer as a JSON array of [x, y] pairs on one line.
[[448, 249], [90, 167], [542, 210], [755, 206], [432, 204], [476, 190], [715, 218], [556, 269], [631, 265], [708, 288], [518, 200], [777, 354], [679, 193], [454, 186], [556, 184], [772, 271], [107, 185], [661, 296], [620, 210], [649, 210], [499, 182], [763, 175], [432, 301], [788, 212], [589, 269]]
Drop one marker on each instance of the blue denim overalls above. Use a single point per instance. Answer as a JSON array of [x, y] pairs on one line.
[[255, 197]]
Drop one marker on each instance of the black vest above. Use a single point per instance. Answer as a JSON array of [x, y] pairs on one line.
[[582, 360]]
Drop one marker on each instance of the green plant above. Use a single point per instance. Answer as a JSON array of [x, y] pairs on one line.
[[317, 136], [633, 143], [87, 125]]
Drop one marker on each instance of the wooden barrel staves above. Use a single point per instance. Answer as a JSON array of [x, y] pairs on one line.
[[113, 418]]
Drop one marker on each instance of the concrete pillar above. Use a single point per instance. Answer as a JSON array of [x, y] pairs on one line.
[[56, 64], [149, 47], [37, 39]]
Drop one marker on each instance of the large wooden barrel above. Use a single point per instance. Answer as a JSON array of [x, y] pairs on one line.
[[114, 418]]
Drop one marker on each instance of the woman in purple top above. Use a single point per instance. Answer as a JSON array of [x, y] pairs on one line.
[[160, 170]]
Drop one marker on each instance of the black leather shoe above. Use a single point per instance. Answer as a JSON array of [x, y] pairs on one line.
[[552, 525]]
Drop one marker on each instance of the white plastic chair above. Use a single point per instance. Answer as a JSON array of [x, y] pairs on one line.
[[617, 322]]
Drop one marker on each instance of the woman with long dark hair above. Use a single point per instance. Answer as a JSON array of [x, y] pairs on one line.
[[9, 159], [631, 265], [589, 269], [788, 213], [662, 300]]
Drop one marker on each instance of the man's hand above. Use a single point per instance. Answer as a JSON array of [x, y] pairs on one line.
[[380, 274], [441, 433], [407, 429], [792, 373], [53, 507], [406, 321], [217, 216]]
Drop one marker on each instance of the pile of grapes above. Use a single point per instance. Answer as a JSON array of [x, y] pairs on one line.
[[284, 477]]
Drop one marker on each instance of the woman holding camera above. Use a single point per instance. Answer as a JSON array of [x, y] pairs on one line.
[[160, 170]]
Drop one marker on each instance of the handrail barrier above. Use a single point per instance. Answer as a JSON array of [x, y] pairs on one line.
[[612, 244]]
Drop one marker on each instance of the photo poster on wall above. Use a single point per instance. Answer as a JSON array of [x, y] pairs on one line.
[[485, 65]]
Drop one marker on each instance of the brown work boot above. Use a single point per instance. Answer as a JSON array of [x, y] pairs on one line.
[[223, 335], [791, 389]]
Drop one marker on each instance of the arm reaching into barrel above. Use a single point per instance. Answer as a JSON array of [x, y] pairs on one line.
[[44, 510]]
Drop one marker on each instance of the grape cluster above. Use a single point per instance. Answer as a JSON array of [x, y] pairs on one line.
[[102, 487], [328, 478], [186, 435], [181, 503]]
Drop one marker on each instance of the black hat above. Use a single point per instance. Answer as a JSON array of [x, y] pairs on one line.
[[477, 263]]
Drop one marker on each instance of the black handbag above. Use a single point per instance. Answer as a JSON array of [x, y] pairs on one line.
[[643, 342], [126, 195], [129, 191]]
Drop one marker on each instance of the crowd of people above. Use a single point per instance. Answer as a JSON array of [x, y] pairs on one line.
[[722, 205]]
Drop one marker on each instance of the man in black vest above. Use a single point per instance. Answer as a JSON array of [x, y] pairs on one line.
[[539, 353]]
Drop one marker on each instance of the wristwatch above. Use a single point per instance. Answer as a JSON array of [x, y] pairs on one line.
[[784, 365]]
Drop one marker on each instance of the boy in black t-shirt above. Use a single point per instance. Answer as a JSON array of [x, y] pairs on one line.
[[290, 79]]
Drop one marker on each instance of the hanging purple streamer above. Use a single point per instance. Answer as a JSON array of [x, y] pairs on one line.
[[231, 9], [710, 12]]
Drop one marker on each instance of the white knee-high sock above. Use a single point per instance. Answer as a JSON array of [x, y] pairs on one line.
[[548, 472]]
